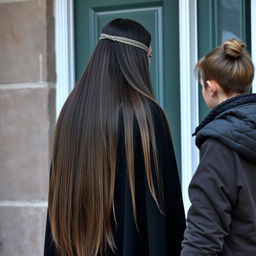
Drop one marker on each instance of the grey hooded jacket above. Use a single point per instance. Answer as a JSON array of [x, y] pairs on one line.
[[222, 218]]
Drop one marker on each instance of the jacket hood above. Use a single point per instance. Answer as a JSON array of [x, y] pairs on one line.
[[233, 123]]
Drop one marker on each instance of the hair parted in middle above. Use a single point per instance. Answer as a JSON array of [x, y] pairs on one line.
[[114, 86], [229, 65]]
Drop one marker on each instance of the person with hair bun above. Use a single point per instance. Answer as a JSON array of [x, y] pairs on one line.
[[222, 218]]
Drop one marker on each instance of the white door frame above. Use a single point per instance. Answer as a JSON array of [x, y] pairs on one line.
[[189, 103], [64, 47]]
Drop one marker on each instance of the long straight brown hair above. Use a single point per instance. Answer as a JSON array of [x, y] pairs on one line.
[[115, 82]]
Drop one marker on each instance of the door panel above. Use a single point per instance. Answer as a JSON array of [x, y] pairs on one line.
[[161, 20]]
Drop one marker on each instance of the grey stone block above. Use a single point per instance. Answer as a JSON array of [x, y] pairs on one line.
[[27, 118], [22, 230], [27, 41]]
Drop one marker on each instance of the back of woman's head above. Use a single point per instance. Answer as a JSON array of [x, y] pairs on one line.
[[115, 83], [229, 65], [120, 61]]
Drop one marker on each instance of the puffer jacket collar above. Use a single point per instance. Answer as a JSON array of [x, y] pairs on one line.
[[233, 123]]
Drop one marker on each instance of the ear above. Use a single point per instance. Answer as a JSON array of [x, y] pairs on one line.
[[213, 87]]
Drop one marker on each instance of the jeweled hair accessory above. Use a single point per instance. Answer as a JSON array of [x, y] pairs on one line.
[[125, 40]]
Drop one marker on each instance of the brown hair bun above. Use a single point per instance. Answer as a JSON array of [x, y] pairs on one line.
[[229, 65], [233, 48]]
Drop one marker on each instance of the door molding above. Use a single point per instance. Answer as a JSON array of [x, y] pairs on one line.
[[64, 51], [189, 103]]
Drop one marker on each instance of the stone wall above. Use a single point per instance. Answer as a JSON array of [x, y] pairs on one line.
[[27, 116]]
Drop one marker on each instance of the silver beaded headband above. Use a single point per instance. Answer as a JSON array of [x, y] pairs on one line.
[[125, 40]]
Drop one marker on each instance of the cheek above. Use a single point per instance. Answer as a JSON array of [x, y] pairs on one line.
[[206, 97]]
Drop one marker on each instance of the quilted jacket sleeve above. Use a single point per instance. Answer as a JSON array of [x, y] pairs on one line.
[[213, 194]]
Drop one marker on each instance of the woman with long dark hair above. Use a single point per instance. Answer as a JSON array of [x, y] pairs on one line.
[[114, 185]]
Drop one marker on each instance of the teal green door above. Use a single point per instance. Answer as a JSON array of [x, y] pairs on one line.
[[161, 19], [218, 21]]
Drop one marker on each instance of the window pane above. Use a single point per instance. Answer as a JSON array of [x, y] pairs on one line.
[[230, 20]]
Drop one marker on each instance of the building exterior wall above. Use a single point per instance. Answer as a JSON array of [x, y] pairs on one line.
[[27, 117]]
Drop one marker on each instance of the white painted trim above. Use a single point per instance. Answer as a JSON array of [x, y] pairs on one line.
[[64, 45], [253, 38], [34, 203], [28, 85], [188, 92]]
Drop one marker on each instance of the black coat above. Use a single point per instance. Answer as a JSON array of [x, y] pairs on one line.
[[159, 234], [222, 218]]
